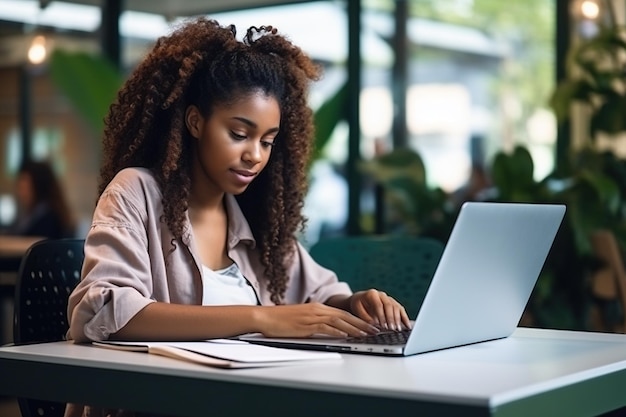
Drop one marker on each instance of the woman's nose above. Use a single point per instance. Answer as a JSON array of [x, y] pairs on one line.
[[253, 152]]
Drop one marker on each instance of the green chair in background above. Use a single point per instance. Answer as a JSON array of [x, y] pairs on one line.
[[402, 266]]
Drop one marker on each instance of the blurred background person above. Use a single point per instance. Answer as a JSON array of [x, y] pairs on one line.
[[42, 209]]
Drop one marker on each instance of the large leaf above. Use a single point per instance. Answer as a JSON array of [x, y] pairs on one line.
[[399, 163], [610, 116], [419, 208], [326, 118], [513, 174], [595, 78], [89, 81], [566, 93]]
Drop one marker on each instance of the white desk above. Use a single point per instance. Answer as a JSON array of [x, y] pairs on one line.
[[534, 372]]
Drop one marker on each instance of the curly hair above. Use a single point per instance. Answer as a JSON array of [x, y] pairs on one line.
[[202, 63]]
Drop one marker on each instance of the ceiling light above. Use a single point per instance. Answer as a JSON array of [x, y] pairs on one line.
[[37, 52]]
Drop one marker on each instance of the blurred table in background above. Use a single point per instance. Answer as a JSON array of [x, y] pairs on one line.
[[12, 249]]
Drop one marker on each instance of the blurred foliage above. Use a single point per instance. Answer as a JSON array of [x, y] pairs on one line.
[[327, 117], [594, 78], [526, 71], [89, 81], [593, 191], [414, 207], [590, 181]]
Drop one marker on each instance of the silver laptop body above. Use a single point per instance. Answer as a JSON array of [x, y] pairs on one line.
[[485, 277]]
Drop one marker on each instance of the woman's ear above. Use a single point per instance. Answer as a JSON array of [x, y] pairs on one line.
[[193, 121]]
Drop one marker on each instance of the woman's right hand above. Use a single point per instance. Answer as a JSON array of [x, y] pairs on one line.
[[305, 320]]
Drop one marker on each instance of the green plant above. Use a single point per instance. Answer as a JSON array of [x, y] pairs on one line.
[[591, 190], [89, 81], [327, 117], [592, 182], [414, 207], [594, 79]]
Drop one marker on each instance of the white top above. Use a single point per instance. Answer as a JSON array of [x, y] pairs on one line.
[[226, 287]]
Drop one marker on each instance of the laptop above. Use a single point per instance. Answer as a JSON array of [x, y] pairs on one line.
[[479, 291]]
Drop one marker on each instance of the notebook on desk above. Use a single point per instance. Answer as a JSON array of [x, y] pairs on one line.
[[481, 286]]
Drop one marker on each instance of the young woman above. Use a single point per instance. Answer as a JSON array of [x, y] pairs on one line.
[[42, 207], [201, 191]]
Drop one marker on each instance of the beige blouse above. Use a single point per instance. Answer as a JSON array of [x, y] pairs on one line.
[[129, 261]]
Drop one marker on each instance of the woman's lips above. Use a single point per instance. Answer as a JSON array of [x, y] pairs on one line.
[[244, 176]]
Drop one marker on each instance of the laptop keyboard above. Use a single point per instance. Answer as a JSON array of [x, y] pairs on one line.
[[384, 338]]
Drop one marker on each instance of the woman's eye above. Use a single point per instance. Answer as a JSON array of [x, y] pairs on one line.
[[237, 136], [267, 144]]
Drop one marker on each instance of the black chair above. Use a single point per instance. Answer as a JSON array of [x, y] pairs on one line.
[[48, 273], [402, 266]]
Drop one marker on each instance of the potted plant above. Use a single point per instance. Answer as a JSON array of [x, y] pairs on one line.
[[411, 205], [595, 80], [591, 177], [590, 189]]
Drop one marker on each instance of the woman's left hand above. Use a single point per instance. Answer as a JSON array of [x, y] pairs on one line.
[[379, 309]]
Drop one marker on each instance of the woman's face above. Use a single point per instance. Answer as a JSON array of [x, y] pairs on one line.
[[234, 143], [24, 191]]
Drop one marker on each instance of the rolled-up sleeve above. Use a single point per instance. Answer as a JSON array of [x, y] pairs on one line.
[[116, 278]]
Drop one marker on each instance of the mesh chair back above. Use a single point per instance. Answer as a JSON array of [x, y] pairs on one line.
[[48, 273], [402, 266]]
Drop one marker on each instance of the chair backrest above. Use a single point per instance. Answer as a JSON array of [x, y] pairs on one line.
[[48, 273], [402, 266]]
